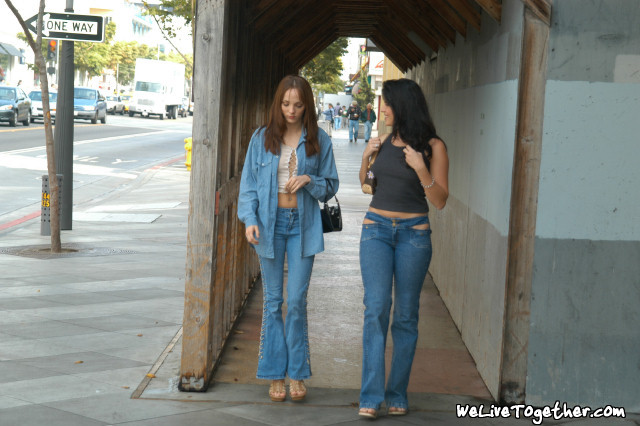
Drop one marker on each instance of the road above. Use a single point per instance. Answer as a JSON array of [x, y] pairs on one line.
[[105, 157]]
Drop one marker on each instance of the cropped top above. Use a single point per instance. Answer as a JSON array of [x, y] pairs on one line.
[[398, 187], [287, 166]]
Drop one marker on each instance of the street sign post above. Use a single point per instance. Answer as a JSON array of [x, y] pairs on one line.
[[69, 26]]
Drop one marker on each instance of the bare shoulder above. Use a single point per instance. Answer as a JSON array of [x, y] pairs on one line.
[[437, 144]]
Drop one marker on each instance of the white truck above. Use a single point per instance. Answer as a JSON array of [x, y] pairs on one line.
[[159, 88]]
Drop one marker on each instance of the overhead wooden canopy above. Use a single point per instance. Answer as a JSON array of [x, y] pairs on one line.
[[405, 30]]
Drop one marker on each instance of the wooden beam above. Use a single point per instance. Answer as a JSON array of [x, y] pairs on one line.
[[424, 7], [524, 208], [492, 7], [468, 11], [197, 347], [415, 22], [392, 51], [450, 16], [541, 8]]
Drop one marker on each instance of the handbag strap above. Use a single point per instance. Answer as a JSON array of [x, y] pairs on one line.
[[375, 154]]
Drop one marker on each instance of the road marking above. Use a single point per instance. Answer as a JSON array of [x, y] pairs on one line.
[[20, 220], [22, 129], [84, 142], [40, 164]]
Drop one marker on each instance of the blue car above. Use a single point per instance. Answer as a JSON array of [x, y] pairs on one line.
[[15, 106], [89, 104]]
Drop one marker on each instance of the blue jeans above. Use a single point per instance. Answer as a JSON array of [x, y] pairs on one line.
[[391, 251], [338, 122], [367, 130], [284, 346], [353, 129]]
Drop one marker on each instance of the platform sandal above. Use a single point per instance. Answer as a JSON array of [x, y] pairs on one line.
[[297, 390], [397, 411], [369, 413], [277, 391]]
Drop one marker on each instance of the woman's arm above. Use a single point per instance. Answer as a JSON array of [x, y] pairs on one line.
[[248, 194], [325, 184], [436, 181]]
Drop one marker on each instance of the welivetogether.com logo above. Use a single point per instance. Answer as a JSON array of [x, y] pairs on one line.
[[538, 414]]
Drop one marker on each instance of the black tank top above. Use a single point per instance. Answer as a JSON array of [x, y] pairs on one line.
[[398, 187]]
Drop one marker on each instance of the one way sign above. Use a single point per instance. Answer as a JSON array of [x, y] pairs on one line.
[[69, 26]]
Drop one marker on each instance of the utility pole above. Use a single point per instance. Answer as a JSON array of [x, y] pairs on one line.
[[63, 137]]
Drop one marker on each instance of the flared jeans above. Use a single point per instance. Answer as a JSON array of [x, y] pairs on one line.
[[391, 252], [284, 345]]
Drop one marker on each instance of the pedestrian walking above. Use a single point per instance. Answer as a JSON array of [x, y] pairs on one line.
[[289, 167], [368, 118], [337, 116], [354, 113], [410, 168]]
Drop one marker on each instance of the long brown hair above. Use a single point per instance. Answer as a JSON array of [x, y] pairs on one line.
[[276, 125]]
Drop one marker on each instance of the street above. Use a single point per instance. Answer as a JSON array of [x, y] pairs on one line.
[[110, 155]]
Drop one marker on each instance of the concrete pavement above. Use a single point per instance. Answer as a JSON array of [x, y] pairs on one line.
[[80, 331]]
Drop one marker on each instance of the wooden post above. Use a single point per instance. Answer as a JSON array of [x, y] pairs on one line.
[[524, 200], [198, 349]]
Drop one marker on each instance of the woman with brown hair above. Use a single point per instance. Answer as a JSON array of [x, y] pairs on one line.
[[289, 167]]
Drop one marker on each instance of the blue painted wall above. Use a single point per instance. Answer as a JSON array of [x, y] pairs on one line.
[[584, 342]]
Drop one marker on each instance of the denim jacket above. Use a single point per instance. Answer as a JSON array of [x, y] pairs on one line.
[[258, 199]]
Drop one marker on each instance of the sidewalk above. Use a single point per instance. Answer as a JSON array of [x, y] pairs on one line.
[[80, 332]]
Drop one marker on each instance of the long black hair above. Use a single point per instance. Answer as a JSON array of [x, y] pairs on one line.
[[411, 119]]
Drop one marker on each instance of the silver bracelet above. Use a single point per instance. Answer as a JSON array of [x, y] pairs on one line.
[[433, 182]]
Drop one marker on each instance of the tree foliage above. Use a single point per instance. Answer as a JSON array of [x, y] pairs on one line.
[[365, 95], [93, 58], [323, 72], [171, 13]]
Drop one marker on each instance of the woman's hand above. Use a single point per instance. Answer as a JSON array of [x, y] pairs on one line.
[[414, 159], [372, 146], [295, 183], [253, 234]]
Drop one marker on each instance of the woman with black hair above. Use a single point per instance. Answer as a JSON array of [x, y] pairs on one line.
[[289, 167], [411, 167]]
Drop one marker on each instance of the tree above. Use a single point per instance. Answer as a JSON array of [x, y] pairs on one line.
[[364, 93], [122, 57], [166, 15], [36, 46], [323, 72], [92, 58]]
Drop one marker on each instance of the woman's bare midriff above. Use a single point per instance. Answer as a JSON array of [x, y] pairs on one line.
[[397, 215], [287, 201]]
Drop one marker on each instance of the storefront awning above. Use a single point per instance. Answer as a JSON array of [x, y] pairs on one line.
[[9, 49]]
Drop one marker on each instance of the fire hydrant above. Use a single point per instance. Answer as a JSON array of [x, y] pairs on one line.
[[187, 156]]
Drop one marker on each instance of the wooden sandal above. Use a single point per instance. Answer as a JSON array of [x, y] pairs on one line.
[[397, 411], [297, 390], [370, 413], [277, 392]]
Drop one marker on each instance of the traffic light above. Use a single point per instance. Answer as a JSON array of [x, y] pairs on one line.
[[51, 50]]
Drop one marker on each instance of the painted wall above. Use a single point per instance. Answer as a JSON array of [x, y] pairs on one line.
[[472, 88], [584, 342]]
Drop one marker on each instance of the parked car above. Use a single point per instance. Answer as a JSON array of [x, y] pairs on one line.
[[15, 106], [36, 104], [125, 100], [115, 104], [89, 104]]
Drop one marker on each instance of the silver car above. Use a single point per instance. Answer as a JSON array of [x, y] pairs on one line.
[[36, 104]]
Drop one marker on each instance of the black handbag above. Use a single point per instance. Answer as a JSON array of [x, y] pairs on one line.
[[331, 217]]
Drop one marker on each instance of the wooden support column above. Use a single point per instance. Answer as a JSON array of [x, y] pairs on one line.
[[198, 347], [524, 200]]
